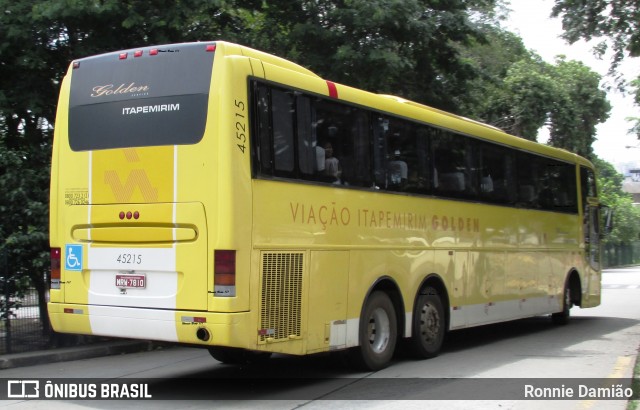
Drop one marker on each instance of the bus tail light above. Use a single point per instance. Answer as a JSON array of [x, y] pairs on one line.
[[55, 268], [224, 273]]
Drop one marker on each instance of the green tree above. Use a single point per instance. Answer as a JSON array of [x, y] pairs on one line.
[[579, 106], [529, 90], [636, 120], [626, 216], [405, 47], [23, 220], [514, 89], [520, 93], [617, 22]]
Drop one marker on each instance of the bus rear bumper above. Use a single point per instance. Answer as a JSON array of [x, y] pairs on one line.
[[223, 329]]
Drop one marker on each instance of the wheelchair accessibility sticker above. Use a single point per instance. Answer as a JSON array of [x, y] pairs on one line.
[[73, 257]]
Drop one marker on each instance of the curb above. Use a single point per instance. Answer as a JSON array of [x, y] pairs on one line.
[[74, 353]]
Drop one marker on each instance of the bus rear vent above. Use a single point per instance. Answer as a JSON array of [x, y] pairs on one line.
[[281, 304]]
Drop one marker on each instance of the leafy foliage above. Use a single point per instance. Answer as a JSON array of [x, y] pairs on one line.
[[578, 107], [520, 93], [404, 47], [617, 22], [626, 215], [513, 91]]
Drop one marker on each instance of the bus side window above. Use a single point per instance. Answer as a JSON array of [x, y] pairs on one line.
[[311, 156], [343, 132], [263, 158], [560, 181], [402, 157], [328, 127], [527, 180], [379, 132], [282, 120], [494, 172], [357, 166], [451, 172], [423, 183], [588, 184]]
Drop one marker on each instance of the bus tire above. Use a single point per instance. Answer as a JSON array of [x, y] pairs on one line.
[[378, 333], [429, 324], [562, 318], [232, 355]]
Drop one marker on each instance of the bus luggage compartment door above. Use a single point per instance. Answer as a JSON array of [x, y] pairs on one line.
[[140, 261]]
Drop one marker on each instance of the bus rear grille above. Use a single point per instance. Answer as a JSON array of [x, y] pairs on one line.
[[281, 304]]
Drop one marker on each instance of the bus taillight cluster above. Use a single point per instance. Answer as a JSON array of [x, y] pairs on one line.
[[55, 268]]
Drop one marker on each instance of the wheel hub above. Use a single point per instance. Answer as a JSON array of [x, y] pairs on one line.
[[379, 330]]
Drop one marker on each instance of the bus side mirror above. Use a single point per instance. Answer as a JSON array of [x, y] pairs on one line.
[[607, 216]]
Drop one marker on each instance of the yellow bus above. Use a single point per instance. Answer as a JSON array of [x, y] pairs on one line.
[[214, 195]]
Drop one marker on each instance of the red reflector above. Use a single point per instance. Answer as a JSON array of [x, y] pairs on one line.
[[67, 310], [211, 48], [129, 215], [224, 268], [136, 215], [55, 263], [200, 319], [123, 56], [153, 52], [121, 215], [137, 53]]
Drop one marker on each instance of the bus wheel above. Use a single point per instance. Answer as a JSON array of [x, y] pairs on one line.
[[231, 355], [378, 333], [428, 325], [562, 318]]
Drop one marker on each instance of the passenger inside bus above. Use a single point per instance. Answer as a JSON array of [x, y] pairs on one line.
[[331, 163], [398, 171]]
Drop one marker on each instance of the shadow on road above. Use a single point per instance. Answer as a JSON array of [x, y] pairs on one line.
[[329, 376], [548, 339], [579, 329]]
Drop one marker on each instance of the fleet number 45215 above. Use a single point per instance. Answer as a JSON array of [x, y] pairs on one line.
[[129, 259]]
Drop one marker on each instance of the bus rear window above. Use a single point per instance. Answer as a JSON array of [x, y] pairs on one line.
[[146, 97]]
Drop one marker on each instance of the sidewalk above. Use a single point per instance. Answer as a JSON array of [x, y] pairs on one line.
[[109, 348]]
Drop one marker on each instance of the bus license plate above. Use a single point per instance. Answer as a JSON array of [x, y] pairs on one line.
[[131, 281]]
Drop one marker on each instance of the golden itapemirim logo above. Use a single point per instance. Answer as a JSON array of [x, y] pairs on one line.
[[111, 89]]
